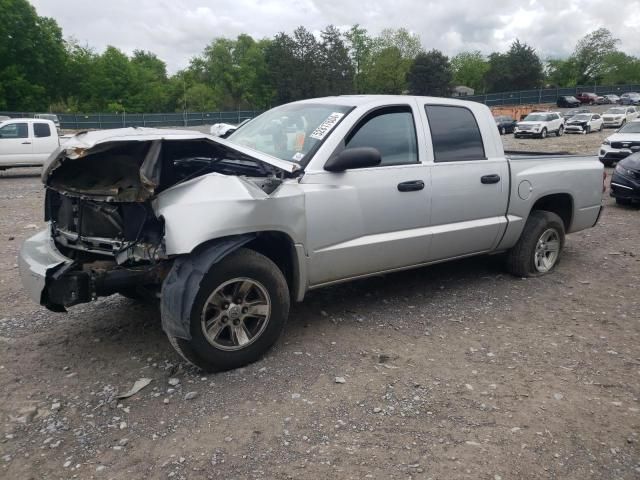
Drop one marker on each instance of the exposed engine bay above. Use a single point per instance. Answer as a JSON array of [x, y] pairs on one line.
[[100, 208]]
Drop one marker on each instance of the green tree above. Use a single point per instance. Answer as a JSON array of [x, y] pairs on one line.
[[360, 45], [32, 57], [281, 65], [469, 69], [562, 72], [591, 53], [518, 69], [386, 72], [430, 74], [335, 65]]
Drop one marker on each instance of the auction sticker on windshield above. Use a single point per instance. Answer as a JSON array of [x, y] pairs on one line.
[[325, 127]]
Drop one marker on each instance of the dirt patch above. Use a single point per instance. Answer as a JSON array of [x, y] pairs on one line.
[[453, 371]]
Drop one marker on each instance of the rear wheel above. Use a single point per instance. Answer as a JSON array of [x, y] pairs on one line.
[[239, 312], [538, 249]]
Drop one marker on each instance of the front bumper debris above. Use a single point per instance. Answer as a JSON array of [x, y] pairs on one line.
[[55, 281]]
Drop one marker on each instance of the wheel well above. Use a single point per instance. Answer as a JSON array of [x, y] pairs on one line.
[[279, 248], [559, 203]]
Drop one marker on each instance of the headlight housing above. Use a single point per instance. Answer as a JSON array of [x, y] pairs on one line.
[[606, 142], [623, 171]]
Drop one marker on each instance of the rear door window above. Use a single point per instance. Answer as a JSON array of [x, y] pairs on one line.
[[41, 130], [455, 134]]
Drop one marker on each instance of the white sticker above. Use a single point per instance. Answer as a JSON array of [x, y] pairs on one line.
[[326, 126], [298, 156]]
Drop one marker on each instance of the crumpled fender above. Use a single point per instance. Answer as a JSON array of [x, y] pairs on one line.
[[181, 286]]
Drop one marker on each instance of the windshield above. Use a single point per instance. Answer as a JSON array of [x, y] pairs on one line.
[[616, 111], [536, 117], [291, 131], [633, 127], [582, 117]]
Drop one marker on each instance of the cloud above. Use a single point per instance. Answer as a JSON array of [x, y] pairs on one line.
[[177, 30]]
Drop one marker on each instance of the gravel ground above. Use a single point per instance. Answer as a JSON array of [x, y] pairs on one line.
[[454, 371]]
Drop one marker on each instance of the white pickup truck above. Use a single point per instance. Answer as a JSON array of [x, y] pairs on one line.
[[225, 233], [27, 142]]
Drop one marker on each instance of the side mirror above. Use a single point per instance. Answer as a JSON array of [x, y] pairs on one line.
[[360, 157]]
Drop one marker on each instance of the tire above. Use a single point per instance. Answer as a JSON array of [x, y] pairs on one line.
[[503, 131], [543, 133], [588, 130], [623, 201], [601, 127], [560, 131], [524, 259], [268, 290]]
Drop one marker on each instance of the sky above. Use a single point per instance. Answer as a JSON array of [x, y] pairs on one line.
[[177, 30]]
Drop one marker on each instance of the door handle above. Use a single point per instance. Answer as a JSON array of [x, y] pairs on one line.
[[26, 143], [495, 178], [412, 186]]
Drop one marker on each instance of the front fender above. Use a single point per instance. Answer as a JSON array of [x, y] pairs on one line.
[[181, 285]]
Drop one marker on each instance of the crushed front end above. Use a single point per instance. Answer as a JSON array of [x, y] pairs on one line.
[[104, 236]]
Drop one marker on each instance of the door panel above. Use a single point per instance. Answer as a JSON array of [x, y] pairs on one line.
[[368, 220], [467, 215], [360, 223], [469, 192], [15, 144]]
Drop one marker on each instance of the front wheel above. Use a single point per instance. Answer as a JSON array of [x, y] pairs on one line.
[[239, 312], [560, 131], [543, 133], [503, 131], [538, 249]]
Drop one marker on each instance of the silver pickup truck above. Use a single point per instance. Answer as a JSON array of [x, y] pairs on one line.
[[225, 233]]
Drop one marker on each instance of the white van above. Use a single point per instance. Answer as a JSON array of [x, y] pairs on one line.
[[26, 142]]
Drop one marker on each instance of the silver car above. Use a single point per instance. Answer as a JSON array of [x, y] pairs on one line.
[[226, 233]]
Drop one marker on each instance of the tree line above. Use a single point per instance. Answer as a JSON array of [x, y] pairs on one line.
[[40, 70]]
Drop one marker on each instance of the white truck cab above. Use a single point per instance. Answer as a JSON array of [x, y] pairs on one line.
[[26, 142]]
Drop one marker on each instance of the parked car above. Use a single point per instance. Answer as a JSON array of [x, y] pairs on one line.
[[584, 123], [621, 144], [572, 113], [608, 99], [49, 116], [617, 116], [587, 97], [631, 98], [223, 130], [505, 124], [568, 101], [540, 125], [625, 181], [227, 232], [26, 142]]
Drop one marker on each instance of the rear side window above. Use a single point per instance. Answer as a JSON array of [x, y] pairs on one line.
[[41, 130], [392, 132], [454, 133]]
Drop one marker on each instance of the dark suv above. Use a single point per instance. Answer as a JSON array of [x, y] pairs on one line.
[[568, 101]]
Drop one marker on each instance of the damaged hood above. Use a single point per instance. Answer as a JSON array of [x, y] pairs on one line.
[[86, 143]]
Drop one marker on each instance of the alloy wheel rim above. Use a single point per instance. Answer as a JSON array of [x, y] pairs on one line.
[[547, 250], [236, 314]]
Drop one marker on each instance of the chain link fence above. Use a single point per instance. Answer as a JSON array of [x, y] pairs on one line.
[[546, 95], [87, 121], [83, 121]]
